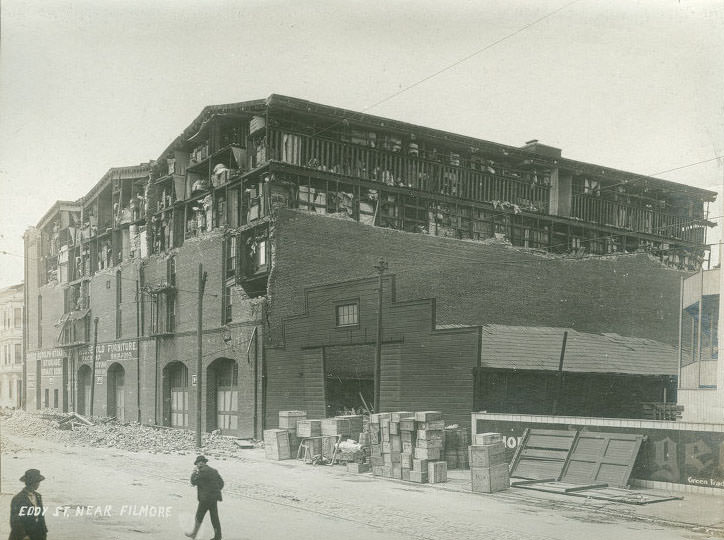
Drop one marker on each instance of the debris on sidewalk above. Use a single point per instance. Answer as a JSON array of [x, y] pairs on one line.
[[75, 429]]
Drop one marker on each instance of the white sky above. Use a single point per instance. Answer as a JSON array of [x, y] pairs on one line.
[[87, 85]]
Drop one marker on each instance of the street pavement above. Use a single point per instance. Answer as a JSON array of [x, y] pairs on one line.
[[103, 493]]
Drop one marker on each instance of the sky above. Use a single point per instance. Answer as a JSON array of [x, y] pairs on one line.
[[87, 85]]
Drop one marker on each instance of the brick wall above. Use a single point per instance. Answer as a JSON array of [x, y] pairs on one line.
[[474, 283]]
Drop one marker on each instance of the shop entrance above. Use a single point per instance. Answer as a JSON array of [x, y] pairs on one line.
[[116, 397], [84, 389], [222, 395]]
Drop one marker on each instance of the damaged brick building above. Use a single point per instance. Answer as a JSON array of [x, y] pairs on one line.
[[280, 197]]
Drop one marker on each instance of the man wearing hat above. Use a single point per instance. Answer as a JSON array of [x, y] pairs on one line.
[[27, 521], [208, 484]]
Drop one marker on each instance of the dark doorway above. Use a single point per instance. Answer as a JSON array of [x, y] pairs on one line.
[[222, 395], [349, 372], [176, 395], [66, 401], [84, 389], [116, 395]]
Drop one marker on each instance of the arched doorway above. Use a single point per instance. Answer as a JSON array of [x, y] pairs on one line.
[[176, 395], [116, 398], [84, 389], [222, 395]]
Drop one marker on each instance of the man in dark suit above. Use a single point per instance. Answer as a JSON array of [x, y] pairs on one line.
[[208, 484], [27, 521]]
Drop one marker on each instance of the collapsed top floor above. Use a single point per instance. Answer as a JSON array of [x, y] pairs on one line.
[[236, 163]]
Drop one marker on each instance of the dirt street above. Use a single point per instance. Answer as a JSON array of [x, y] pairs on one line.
[[115, 494]]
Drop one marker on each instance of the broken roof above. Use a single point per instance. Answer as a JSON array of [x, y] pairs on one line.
[[539, 348]]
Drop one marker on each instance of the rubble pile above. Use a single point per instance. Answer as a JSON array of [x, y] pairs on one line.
[[106, 432]]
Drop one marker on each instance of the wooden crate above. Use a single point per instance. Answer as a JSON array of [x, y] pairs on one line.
[[377, 418], [437, 472], [289, 419], [406, 474], [437, 425], [487, 438], [407, 436], [429, 434], [427, 453], [335, 426], [407, 424], [487, 455], [463, 458], [408, 447], [418, 476], [377, 470], [396, 471], [395, 443], [364, 439], [357, 468], [428, 416], [309, 428], [399, 415], [394, 428], [452, 460], [355, 423], [386, 448], [490, 479], [406, 460], [437, 443], [276, 444], [420, 464]]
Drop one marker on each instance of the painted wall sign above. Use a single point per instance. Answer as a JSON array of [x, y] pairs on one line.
[[108, 353], [678, 456]]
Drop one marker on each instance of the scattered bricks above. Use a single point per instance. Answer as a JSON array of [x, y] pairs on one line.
[[487, 455], [406, 474], [394, 428], [396, 471], [406, 460], [398, 416], [355, 423], [487, 438], [420, 464], [428, 416], [429, 435], [395, 443], [437, 472], [357, 468], [407, 436], [408, 447], [309, 428], [437, 425], [289, 419], [276, 444], [490, 479], [336, 426], [432, 454], [377, 418], [418, 476], [407, 424], [364, 439], [386, 448]]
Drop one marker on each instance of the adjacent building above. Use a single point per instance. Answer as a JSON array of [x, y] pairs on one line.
[[11, 346], [258, 203]]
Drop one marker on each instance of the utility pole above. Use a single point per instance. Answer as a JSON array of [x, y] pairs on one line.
[[93, 367], [199, 327], [381, 266]]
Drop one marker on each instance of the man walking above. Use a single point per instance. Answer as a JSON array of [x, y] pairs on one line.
[[27, 519], [208, 484]]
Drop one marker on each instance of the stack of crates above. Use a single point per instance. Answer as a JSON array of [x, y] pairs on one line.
[[456, 447], [428, 449], [288, 420], [488, 467]]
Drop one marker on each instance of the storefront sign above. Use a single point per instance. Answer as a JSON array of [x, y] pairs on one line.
[[108, 353], [51, 367], [45, 354]]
